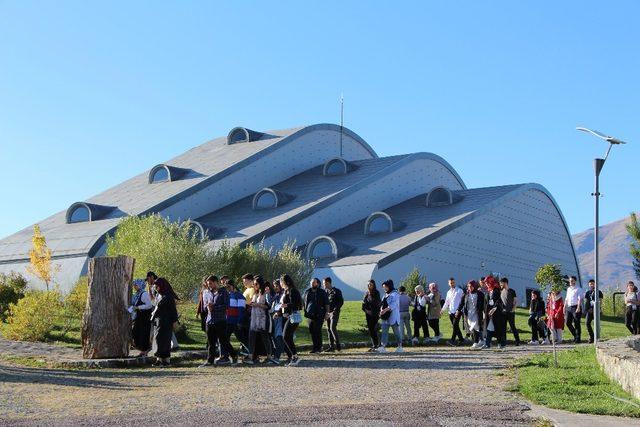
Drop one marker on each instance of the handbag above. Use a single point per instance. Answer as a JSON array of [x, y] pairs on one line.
[[295, 317]]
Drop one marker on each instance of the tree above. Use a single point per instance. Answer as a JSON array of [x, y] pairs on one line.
[[550, 278], [633, 228], [171, 249], [40, 258], [413, 279]]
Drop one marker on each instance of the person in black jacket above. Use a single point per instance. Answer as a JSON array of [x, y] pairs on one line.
[[473, 309], [316, 309], [164, 316], [536, 313], [291, 304], [496, 314], [371, 307], [589, 304], [335, 304]]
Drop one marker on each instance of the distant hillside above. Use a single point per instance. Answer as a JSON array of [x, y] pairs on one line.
[[615, 261]]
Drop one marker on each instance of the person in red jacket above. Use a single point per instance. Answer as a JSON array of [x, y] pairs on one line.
[[555, 315]]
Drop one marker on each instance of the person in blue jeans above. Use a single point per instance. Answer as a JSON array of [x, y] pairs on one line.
[[390, 315]]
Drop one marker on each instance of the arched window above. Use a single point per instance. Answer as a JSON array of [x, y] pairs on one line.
[[197, 230], [268, 198], [160, 175], [439, 196], [238, 135], [378, 222], [334, 167], [80, 213], [322, 247]]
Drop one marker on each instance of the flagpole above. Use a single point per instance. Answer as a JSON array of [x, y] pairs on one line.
[[341, 121]]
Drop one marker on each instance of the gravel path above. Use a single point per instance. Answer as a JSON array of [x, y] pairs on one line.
[[353, 387]]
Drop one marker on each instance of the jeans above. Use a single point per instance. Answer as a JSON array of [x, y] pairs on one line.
[[372, 326], [631, 320], [315, 329], [396, 331], [288, 331], [573, 321], [217, 332], [332, 329], [511, 320], [405, 324], [457, 333], [435, 325]]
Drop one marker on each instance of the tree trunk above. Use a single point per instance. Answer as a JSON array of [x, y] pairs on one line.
[[106, 323]]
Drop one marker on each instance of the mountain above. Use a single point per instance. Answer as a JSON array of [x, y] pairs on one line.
[[616, 267]]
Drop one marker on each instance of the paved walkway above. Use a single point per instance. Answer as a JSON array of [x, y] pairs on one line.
[[424, 387]]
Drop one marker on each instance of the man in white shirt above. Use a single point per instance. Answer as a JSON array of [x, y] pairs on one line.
[[453, 304], [573, 308]]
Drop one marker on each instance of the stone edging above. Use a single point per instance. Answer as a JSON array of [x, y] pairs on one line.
[[620, 360]]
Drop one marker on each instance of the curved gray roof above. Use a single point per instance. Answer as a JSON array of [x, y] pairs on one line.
[[202, 166], [423, 225]]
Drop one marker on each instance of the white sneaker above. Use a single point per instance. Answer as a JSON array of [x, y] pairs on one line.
[[546, 341], [381, 349], [399, 350], [475, 345], [532, 342]]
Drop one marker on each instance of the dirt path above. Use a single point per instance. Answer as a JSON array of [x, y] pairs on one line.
[[437, 387]]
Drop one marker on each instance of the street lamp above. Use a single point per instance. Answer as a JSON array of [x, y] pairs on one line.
[[598, 165]]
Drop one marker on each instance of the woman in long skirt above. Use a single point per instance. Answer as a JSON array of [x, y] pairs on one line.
[[164, 316], [141, 310]]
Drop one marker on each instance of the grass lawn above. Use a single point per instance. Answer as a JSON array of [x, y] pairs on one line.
[[352, 328], [577, 385]]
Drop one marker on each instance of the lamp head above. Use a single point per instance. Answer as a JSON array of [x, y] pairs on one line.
[[609, 139]]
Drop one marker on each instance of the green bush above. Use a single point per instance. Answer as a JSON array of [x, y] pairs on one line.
[[12, 288], [413, 279], [171, 250], [33, 317], [607, 305]]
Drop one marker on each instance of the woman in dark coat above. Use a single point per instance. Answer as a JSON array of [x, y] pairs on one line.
[[496, 314], [164, 316], [141, 309], [371, 306]]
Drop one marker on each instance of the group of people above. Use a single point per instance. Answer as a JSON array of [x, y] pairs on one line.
[[265, 317], [485, 309]]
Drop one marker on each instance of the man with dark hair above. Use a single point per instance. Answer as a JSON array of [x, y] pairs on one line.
[[316, 309], [453, 303], [573, 308], [335, 304], [216, 299], [510, 301], [589, 304]]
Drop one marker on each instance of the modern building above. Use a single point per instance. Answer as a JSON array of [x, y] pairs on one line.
[[358, 215]]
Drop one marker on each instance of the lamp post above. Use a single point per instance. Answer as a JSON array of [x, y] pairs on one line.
[[598, 164]]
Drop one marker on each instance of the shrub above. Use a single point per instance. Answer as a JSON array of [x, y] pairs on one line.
[[76, 300], [173, 251], [12, 288], [413, 279], [33, 317]]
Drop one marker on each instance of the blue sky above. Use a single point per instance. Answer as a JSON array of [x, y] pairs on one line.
[[91, 94]]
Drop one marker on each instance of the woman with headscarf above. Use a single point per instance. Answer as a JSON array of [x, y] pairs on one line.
[[260, 325], [496, 314], [419, 316], [164, 316], [473, 311], [141, 309], [371, 308]]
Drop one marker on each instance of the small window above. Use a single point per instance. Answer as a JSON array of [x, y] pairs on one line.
[[322, 247], [439, 196], [266, 200], [238, 135], [160, 175], [335, 167], [378, 222], [80, 214]]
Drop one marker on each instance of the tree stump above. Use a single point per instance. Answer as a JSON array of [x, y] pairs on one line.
[[106, 323]]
